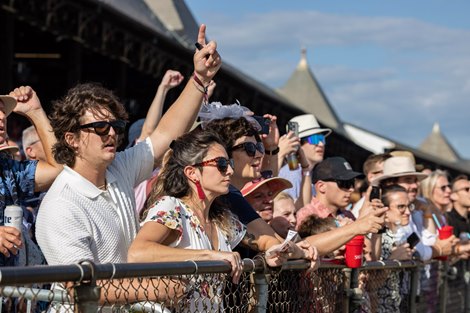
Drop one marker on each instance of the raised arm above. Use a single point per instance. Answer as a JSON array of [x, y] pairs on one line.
[[271, 143], [331, 240], [28, 105], [170, 80], [181, 115]]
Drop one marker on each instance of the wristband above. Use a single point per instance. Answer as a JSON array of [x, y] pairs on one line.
[[272, 152], [305, 173], [204, 88]]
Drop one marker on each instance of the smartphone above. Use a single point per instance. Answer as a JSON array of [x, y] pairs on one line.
[[374, 193], [412, 240], [264, 122], [293, 127]]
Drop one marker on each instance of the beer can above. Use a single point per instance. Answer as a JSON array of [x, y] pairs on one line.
[[13, 216]]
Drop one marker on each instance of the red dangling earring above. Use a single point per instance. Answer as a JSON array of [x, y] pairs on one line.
[[200, 192]]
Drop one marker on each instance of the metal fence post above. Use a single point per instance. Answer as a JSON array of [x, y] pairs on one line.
[[466, 277], [347, 287], [414, 288], [262, 292], [87, 294], [443, 287]]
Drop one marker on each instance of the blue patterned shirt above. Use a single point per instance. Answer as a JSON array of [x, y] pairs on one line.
[[16, 187]]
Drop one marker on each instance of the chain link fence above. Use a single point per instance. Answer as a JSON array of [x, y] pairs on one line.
[[206, 286]]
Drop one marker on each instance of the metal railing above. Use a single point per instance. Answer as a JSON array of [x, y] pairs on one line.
[[205, 286]]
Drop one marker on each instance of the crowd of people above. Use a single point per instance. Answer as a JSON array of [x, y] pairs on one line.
[[205, 182]]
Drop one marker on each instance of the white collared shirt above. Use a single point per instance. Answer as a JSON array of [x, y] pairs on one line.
[[78, 221]]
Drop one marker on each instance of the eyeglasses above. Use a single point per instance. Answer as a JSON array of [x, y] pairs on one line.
[[220, 162], [250, 148], [102, 127], [315, 139], [467, 189], [402, 207], [443, 188], [343, 184]]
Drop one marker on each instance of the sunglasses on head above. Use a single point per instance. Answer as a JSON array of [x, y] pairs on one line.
[[343, 184], [250, 148], [315, 139], [102, 128], [220, 162]]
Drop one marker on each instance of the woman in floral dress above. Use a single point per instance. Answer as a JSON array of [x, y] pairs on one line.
[[184, 218]]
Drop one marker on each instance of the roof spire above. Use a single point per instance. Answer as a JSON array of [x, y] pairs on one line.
[[436, 128], [303, 59]]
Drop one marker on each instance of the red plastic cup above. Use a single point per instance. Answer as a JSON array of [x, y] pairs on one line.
[[445, 232], [354, 252]]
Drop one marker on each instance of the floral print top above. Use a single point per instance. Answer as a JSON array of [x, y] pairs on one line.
[[176, 214]]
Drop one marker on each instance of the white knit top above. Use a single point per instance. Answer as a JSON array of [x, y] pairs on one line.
[[78, 221]]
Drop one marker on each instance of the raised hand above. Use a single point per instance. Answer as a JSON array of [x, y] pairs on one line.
[[288, 144], [27, 100], [371, 222], [171, 79], [271, 140], [207, 61]]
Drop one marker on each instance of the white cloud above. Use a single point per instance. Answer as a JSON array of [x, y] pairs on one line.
[[423, 76]]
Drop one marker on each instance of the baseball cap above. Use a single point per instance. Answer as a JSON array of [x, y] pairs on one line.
[[276, 184], [9, 103], [334, 168]]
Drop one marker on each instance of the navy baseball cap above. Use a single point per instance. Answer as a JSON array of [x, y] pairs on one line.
[[334, 168]]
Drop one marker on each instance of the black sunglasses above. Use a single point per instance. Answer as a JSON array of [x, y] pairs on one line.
[[220, 162], [250, 148], [102, 127], [443, 188], [343, 184]]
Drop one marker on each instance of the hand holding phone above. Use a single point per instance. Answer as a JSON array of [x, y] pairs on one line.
[[264, 123], [412, 240], [374, 193]]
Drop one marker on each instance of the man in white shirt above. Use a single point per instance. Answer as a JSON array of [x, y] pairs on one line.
[[89, 211]]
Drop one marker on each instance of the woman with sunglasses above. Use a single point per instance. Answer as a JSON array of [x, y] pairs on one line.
[[436, 191], [240, 133], [183, 220]]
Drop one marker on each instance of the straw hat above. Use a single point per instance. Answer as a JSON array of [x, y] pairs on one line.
[[9, 103], [7, 148], [398, 166], [308, 125]]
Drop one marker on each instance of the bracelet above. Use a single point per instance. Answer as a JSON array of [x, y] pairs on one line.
[[272, 152], [305, 173], [304, 167], [204, 88]]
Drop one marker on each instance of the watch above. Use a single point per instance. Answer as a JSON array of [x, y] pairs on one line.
[[272, 152]]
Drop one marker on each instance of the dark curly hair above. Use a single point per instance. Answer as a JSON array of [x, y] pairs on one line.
[[190, 148], [230, 130], [67, 113]]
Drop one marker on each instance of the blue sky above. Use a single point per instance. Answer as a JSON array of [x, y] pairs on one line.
[[393, 67]]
